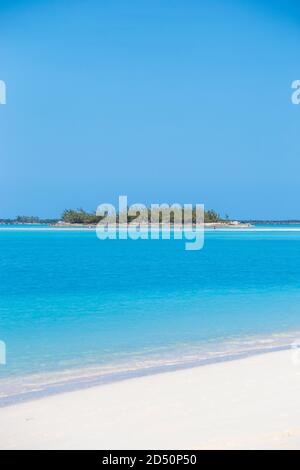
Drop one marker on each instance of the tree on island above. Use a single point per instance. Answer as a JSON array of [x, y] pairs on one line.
[[79, 216], [25, 219]]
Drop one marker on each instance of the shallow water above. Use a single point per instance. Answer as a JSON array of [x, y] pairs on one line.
[[74, 308]]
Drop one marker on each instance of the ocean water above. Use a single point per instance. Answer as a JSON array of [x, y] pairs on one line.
[[75, 311], [278, 226]]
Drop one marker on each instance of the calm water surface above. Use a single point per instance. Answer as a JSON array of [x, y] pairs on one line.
[[73, 307]]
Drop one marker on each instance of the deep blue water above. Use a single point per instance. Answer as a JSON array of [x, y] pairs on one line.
[[69, 300]]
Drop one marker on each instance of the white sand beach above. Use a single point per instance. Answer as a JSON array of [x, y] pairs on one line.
[[251, 403]]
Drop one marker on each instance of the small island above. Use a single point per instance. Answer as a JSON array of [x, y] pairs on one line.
[[81, 218]]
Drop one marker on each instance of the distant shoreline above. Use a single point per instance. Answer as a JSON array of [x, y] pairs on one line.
[[208, 228], [241, 224], [132, 224]]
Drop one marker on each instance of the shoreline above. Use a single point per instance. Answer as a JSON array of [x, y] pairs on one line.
[[36, 386], [78, 385], [227, 229], [252, 402]]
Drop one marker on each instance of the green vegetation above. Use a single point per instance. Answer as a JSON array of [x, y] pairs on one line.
[[27, 219], [79, 216], [82, 217], [71, 216], [24, 219], [212, 216]]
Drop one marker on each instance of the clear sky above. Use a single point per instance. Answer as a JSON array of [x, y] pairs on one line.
[[162, 100]]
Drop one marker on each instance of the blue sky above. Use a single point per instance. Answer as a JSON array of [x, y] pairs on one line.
[[165, 101]]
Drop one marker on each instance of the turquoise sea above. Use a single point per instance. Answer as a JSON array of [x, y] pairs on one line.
[[76, 311]]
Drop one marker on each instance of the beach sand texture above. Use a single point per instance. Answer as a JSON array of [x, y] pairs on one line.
[[251, 403]]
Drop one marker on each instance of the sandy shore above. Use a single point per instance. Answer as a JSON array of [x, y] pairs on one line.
[[250, 403]]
